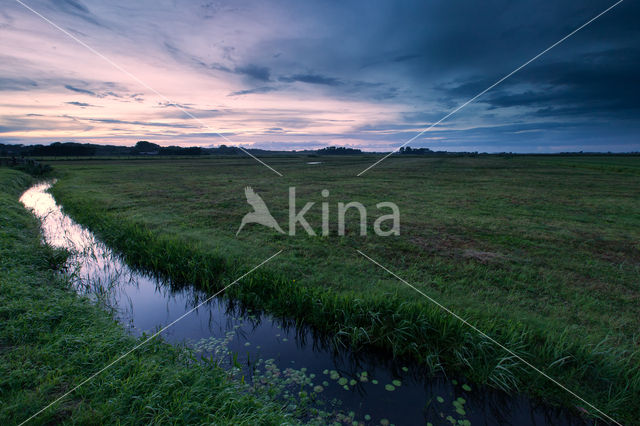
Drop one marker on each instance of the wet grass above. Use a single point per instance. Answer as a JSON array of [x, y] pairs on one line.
[[51, 340], [540, 252]]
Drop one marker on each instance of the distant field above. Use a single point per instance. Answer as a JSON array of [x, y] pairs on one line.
[[541, 252]]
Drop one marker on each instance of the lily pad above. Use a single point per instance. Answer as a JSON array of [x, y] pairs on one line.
[[390, 387]]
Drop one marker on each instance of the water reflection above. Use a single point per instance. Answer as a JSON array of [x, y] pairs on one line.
[[371, 386]]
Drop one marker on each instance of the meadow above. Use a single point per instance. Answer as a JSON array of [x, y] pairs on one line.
[[540, 252]]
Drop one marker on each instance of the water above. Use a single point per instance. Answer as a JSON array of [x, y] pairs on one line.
[[145, 304]]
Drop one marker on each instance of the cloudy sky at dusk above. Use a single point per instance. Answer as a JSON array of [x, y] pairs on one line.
[[298, 74]]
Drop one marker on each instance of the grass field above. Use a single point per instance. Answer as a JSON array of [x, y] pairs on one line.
[[542, 253], [51, 340]]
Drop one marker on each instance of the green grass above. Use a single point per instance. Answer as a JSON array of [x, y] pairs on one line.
[[542, 253], [51, 340]]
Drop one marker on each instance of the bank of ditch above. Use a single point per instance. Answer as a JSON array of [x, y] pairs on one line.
[[52, 339]]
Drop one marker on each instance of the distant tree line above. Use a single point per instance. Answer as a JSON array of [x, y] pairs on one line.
[[148, 148], [414, 151], [338, 150], [407, 150], [142, 148], [74, 149], [145, 148], [57, 148]]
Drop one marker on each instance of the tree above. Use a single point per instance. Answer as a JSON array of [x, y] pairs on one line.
[[144, 146]]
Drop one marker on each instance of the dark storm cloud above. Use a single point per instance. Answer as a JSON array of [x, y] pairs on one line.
[[590, 78], [594, 84], [251, 71], [264, 89], [468, 46], [254, 71], [79, 90], [312, 79], [436, 55]]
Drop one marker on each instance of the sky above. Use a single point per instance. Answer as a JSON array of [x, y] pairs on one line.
[[304, 74]]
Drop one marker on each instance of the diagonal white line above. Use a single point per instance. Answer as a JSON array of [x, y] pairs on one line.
[[473, 327], [146, 340], [142, 83], [492, 86]]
